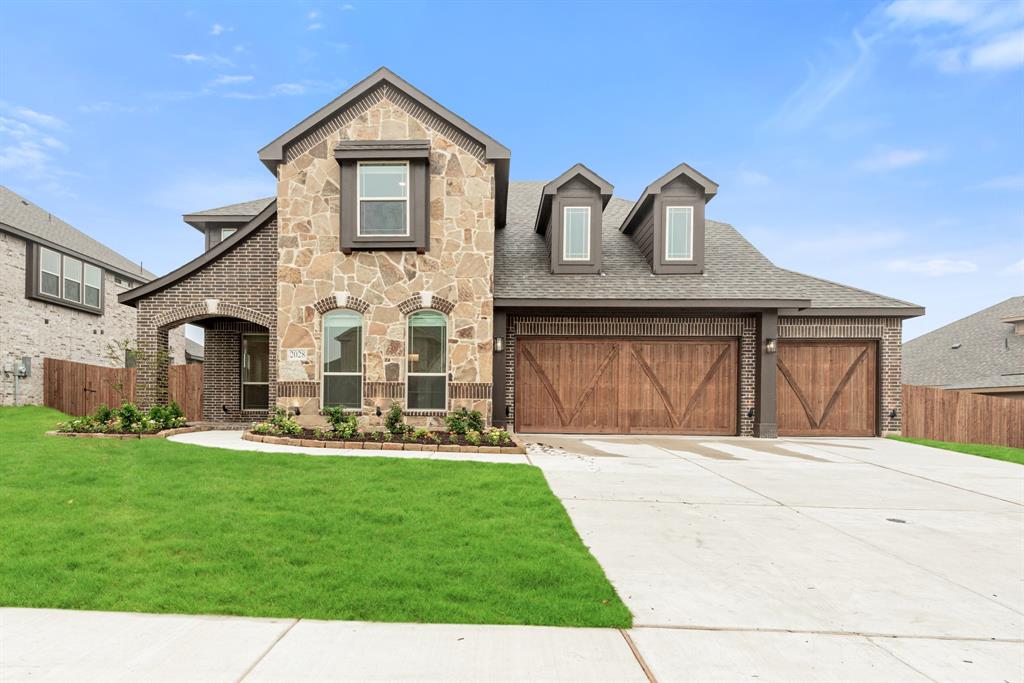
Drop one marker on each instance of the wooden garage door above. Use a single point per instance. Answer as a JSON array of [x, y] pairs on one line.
[[621, 386], [827, 388]]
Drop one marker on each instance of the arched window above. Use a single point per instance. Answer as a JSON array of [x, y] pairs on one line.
[[343, 360], [427, 376]]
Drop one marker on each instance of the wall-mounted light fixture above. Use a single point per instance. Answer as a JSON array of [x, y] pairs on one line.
[[771, 346], [499, 344], [750, 412], [892, 414], [377, 412]]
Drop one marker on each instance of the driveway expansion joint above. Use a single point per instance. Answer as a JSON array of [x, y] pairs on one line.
[[266, 652]]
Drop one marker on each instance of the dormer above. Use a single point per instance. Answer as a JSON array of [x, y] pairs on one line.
[[569, 218], [221, 223], [667, 222]]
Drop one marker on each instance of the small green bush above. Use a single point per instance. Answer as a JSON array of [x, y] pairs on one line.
[[278, 424], [473, 437], [420, 433], [464, 420], [497, 437], [345, 426], [103, 415], [393, 421]]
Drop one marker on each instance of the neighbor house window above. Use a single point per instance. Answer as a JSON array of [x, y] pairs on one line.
[[428, 361], [49, 272], [383, 199], [679, 233], [255, 371], [226, 233], [93, 282], [343, 360], [72, 279], [576, 233]]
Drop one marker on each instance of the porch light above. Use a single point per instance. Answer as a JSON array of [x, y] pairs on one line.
[[377, 412], [771, 346], [499, 344]]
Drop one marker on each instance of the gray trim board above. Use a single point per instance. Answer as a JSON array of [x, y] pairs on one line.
[[32, 290], [259, 220], [419, 208], [632, 304], [382, 149]]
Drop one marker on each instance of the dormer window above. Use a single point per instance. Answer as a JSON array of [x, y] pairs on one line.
[[226, 233], [678, 233], [383, 199], [576, 233]]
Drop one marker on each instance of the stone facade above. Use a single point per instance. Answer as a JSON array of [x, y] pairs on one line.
[[887, 331], [43, 330], [232, 295], [454, 276]]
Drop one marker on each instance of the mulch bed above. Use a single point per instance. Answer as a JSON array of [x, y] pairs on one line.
[[131, 435], [447, 443]]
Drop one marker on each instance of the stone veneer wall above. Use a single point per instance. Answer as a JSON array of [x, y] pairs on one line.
[[650, 325], [43, 330], [235, 293], [888, 332], [457, 268]]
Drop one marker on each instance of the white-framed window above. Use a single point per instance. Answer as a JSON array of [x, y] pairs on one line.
[[93, 285], [49, 272], [576, 233], [343, 360], [226, 233], [678, 233], [255, 371], [383, 199], [72, 279], [427, 374]]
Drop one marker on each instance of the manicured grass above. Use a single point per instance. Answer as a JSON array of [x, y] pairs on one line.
[[156, 526], [995, 452]]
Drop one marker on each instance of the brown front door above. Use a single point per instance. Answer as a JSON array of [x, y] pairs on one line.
[[622, 386], [827, 388]]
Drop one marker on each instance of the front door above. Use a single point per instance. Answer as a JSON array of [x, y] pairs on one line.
[[255, 371]]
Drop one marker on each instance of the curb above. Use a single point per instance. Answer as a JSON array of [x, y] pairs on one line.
[[128, 437], [384, 445]]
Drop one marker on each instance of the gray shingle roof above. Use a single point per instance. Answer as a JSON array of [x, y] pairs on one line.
[[33, 222], [989, 355], [249, 208], [194, 349], [734, 269]]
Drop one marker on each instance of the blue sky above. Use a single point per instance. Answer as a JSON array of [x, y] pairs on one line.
[[879, 145]]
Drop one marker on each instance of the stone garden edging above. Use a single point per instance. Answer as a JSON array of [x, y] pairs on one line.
[[155, 435], [381, 445]]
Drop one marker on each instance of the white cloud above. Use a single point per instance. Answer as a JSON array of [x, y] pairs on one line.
[[29, 148], [933, 267], [314, 27], [216, 30], [39, 119], [211, 60], [230, 80], [892, 159], [931, 11], [104, 107], [313, 14], [1014, 268], [1003, 52], [348, 6], [289, 89], [1006, 182], [190, 57], [753, 178]]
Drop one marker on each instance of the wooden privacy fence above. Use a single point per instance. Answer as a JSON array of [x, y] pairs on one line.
[[962, 417], [80, 388]]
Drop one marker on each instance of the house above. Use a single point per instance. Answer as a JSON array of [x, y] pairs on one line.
[[982, 353], [398, 262], [58, 294]]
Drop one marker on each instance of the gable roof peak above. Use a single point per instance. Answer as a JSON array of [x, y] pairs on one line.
[[709, 187], [578, 169]]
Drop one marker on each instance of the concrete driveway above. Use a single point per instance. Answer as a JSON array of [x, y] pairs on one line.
[[839, 559]]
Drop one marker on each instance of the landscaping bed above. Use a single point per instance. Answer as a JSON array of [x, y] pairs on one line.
[[127, 422], [162, 434], [437, 441]]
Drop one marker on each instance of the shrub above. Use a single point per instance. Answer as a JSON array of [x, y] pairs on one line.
[[497, 437], [393, 421], [345, 426], [103, 415], [278, 424], [420, 433], [464, 420], [473, 437], [128, 414]]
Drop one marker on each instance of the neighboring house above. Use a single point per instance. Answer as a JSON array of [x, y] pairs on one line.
[[397, 262], [58, 294], [193, 351], [982, 353]]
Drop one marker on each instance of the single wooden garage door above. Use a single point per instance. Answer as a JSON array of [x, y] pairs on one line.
[[622, 386], [827, 388]]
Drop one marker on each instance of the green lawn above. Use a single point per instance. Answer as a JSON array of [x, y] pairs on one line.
[[156, 526], [995, 452]]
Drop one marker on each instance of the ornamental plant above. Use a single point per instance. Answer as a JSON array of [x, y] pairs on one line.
[[345, 426], [393, 421], [464, 420]]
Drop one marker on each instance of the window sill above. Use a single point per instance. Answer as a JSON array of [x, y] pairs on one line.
[[419, 412], [66, 304]]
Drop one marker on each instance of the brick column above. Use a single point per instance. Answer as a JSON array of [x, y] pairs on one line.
[[766, 425], [153, 362], [498, 397]]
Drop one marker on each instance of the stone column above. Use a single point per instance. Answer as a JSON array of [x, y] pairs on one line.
[[766, 425]]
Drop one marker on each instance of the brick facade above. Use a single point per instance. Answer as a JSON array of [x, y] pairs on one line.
[[888, 332], [38, 329], [235, 294]]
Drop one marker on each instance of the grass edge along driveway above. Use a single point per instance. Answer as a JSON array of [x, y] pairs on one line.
[[156, 526], [1006, 453]]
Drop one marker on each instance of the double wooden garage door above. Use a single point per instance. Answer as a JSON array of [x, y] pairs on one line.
[[622, 386]]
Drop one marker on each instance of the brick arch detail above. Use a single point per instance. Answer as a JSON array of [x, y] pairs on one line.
[[338, 300], [425, 300], [210, 308]]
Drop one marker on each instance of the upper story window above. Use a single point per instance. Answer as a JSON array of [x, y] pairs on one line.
[[576, 233], [64, 279], [343, 360], [427, 375], [383, 199], [678, 233], [226, 233]]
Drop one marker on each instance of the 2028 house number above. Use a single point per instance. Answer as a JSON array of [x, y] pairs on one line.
[[297, 354]]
